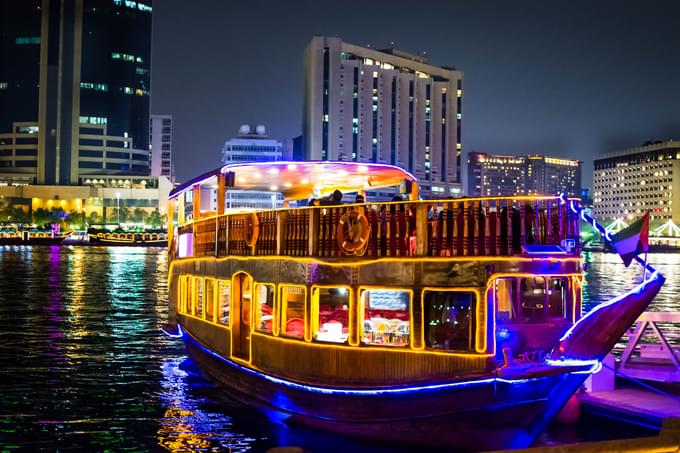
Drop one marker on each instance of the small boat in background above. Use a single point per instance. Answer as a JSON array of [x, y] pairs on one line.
[[32, 235], [127, 237]]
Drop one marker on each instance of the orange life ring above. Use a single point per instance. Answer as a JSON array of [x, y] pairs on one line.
[[353, 232], [253, 231]]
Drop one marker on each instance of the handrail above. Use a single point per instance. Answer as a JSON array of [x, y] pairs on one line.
[[577, 209], [484, 226]]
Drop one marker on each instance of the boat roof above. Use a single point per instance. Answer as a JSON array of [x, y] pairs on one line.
[[298, 180]]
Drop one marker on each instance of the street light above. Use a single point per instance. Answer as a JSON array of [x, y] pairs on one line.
[[118, 206]]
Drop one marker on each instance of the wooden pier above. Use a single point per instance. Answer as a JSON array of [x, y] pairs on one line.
[[648, 358]]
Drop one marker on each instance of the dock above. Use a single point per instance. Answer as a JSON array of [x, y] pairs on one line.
[[649, 365], [639, 406]]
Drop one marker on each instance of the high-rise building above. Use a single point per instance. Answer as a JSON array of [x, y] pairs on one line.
[[630, 182], [550, 176], [160, 146], [252, 145], [384, 106], [498, 175], [74, 90]]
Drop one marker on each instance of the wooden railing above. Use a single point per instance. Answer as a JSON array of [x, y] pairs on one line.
[[456, 227]]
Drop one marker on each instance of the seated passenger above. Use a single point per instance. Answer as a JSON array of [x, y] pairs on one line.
[[333, 199]]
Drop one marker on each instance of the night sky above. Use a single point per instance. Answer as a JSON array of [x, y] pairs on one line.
[[563, 78]]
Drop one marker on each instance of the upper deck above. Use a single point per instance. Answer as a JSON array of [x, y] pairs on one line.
[[456, 227]]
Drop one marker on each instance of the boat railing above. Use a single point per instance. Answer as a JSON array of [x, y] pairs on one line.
[[429, 228]]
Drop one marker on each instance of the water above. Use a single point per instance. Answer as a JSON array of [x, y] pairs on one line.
[[85, 366]]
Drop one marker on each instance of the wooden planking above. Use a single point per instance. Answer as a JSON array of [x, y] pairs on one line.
[[340, 365]]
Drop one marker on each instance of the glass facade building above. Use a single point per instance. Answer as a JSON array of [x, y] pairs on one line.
[[74, 89]]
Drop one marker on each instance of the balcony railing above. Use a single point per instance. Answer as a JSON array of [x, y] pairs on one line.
[[457, 227]]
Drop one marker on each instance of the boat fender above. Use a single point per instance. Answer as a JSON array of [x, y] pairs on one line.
[[352, 233], [253, 231]]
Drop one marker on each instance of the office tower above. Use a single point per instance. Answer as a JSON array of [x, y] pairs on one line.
[[74, 90], [384, 106], [160, 146]]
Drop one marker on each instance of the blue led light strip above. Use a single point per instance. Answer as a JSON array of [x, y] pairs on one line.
[[356, 392]]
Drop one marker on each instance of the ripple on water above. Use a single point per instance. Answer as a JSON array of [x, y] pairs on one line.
[[85, 366]]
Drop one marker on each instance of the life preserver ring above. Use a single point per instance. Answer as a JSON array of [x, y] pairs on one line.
[[352, 233], [253, 231]]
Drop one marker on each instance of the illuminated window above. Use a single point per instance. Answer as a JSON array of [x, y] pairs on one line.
[[449, 320], [198, 297], [533, 299], [264, 307], [210, 299], [223, 296], [3, 85], [330, 319], [293, 311], [93, 120], [385, 317], [184, 293]]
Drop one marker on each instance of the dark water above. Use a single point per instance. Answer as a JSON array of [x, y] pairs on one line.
[[85, 366]]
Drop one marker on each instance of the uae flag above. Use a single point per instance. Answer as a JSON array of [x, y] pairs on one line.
[[633, 240]]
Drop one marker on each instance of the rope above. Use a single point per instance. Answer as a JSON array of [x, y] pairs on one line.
[[644, 384]]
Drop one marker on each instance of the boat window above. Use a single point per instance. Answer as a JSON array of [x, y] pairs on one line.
[[264, 307], [223, 296], [331, 314], [198, 295], [293, 311], [449, 320], [210, 299], [182, 293], [531, 299], [386, 317]]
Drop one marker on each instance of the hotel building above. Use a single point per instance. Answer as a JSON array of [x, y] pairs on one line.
[[500, 175], [629, 182], [384, 106]]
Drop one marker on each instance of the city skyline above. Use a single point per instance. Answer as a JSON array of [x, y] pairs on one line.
[[566, 79]]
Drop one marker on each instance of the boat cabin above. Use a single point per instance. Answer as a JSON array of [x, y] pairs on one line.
[[372, 292]]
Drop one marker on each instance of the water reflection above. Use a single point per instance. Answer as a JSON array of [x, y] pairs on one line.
[[186, 426], [86, 367], [606, 277]]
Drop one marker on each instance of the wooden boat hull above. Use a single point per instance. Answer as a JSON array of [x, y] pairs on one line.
[[94, 240], [33, 241], [481, 412]]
